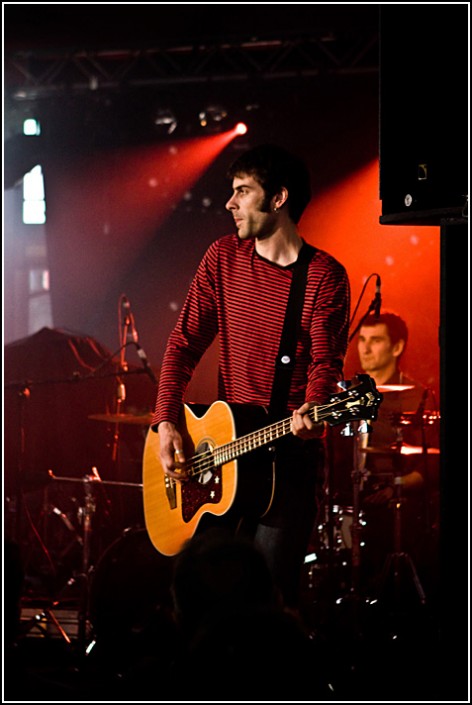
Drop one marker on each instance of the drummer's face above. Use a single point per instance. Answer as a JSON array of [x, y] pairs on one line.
[[375, 348]]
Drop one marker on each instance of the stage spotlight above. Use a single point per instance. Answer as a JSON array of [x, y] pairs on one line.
[[212, 116], [241, 128], [165, 119]]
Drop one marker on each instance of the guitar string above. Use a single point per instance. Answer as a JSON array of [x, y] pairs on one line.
[[202, 462]]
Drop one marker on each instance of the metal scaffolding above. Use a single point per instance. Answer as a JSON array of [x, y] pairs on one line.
[[35, 74]]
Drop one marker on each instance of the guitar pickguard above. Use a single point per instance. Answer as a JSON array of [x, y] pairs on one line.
[[204, 488]]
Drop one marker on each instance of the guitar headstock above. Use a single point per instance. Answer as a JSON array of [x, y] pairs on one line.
[[360, 401]]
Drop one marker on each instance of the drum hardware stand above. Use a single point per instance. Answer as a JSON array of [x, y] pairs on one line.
[[327, 508], [37, 621], [86, 543], [427, 492], [88, 512], [357, 477], [419, 420], [353, 598], [427, 504], [83, 576], [398, 556]]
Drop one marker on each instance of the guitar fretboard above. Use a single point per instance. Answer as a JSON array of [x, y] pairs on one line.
[[254, 440]]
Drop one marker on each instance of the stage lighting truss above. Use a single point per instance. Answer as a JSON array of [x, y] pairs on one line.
[[35, 74]]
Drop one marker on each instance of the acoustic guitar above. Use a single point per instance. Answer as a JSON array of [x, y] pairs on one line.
[[230, 462]]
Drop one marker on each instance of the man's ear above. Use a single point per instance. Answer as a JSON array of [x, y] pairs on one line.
[[398, 348], [280, 198]]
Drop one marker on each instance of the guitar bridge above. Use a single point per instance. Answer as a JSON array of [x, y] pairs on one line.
[[170, 492]]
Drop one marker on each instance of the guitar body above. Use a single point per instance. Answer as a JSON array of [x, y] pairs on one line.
[[173, 510]]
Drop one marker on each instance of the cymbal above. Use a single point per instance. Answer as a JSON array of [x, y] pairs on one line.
[[394, 387], [135, 419], [417, 450], [405, 449], [411, 417]]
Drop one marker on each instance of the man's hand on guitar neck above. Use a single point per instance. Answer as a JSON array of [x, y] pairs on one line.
[[171, 451], [302, 425]]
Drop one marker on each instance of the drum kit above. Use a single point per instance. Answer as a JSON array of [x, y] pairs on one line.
[[340, 534]]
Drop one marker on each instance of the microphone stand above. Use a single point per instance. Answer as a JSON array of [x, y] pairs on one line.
[[121, 389], [372, 307]]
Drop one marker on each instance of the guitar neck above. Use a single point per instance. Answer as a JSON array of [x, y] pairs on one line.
[[256, 439], [357, 402]]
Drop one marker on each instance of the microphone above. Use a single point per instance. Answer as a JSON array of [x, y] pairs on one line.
[[143, 357], [129, 320], [133, 333], [377, 298]]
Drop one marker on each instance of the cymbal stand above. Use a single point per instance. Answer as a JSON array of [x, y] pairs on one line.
[[356, 430], [426, 479], [83, 576], [398, 557], [88, 512], [86, 543]]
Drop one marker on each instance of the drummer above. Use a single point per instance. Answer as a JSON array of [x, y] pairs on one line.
[[395, 444], [381, 344]]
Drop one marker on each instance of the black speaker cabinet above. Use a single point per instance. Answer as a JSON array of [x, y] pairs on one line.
[[424, 93]]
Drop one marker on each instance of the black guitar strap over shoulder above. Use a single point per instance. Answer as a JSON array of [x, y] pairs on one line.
[[285, 361]]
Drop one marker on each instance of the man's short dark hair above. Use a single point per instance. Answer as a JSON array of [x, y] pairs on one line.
[[273, 168], [396, 326]]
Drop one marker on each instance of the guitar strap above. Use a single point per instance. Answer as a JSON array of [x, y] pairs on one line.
[[285, 361]]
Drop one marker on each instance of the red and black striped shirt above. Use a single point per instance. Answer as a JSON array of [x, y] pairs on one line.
[[242, 297]]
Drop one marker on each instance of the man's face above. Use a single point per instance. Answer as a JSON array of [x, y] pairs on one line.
[[375, 348], [250, 210]]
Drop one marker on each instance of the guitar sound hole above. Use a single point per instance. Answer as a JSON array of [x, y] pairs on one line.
[[205, 475]]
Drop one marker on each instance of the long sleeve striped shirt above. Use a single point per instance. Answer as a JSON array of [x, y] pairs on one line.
[[242, 297]]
